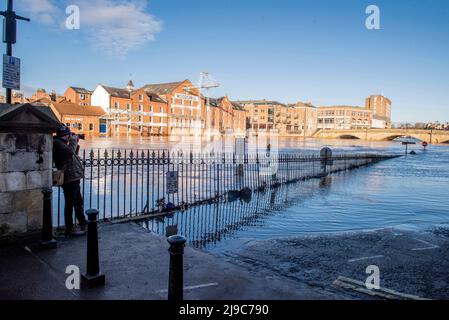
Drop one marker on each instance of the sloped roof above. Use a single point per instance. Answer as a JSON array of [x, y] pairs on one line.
[[81, 90], [260, 102], [20, 117], [162, 88], [117, 92], [155, 97], [237, 106], [303, 104], [74, 109]]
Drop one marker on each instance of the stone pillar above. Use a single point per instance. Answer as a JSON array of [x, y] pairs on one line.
[[25, 168]]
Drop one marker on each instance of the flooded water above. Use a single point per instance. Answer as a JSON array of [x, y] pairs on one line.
[[406, 193]]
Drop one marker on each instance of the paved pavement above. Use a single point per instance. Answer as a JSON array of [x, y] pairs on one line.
[[135, 263], [410, 263]]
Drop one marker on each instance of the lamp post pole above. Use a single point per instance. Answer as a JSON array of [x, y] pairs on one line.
[[10, 35]]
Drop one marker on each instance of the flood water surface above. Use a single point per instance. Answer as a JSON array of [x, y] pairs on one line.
[[405, 193]]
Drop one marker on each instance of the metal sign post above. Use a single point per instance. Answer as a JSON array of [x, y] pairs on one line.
[[10, 37], [406, 143]]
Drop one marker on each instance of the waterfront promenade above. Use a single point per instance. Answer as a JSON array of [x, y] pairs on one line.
[[135, 263]]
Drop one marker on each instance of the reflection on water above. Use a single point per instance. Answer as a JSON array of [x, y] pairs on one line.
[[409, 193]]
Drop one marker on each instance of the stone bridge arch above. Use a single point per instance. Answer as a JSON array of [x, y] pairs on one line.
[[395, 136], [349, 137]]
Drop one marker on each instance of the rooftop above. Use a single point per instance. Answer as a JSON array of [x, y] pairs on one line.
[[162, 88], [81, 90], [117, 92], [260, 102], [74, 109]]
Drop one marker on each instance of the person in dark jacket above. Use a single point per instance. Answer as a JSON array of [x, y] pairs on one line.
[[65, 157]]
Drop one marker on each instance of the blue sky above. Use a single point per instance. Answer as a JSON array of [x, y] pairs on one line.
[[309, 50]]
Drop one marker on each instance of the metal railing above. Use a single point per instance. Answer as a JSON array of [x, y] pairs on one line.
[[124, 184]]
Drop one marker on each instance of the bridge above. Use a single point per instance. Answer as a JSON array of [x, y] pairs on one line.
[[430, 136]]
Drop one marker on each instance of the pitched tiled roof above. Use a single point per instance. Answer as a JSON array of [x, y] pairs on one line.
[[81, 90], [162, 88], [260, 102], [155, 97], [237, 106], [74, 109], [117, 92]]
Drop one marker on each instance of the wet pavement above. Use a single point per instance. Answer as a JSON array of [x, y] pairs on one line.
[[410, 263], [135, 263]]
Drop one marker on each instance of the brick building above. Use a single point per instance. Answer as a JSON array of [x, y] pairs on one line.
[[222, 116], [80, 119], [150, 113], [343, 118], [264, 115], [79, 96], [305, 118], [183, 105], [380, 107]]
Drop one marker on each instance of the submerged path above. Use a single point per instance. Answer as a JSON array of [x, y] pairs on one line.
[[135, 263], [411, 264]]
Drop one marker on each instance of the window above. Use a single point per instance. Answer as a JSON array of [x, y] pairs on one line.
[[117, 105], [140, 107], [91, 127], [129, 107], [140, 97], [129, 128], [78, 126], [151, 108]]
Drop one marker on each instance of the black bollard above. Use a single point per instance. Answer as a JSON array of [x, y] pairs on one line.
[[176, 273], [93, 277], [47, 240]]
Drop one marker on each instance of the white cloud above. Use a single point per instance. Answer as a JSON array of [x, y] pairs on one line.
[[114, 27], [43, 11], [118, 26]]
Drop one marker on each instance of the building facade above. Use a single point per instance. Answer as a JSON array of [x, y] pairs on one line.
[[80, 119], [79, 96], [222, 116], [343, 118], [305, 118], [380, 107], [265, 116]]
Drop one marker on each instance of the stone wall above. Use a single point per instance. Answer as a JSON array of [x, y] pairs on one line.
[[25, 170]]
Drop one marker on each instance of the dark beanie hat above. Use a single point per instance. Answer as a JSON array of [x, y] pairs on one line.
[[63, 131]]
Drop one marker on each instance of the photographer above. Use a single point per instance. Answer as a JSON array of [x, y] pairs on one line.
[[65, 157]]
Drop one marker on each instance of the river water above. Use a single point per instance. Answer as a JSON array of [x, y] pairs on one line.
[[407, 193]]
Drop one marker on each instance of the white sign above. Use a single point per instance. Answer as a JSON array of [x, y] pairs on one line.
[[172, 182], [186, 97], [11, 72]]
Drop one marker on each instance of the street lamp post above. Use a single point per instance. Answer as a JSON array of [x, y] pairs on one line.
[[10, 35]]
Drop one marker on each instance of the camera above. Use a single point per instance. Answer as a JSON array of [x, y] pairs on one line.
[[81, 136]]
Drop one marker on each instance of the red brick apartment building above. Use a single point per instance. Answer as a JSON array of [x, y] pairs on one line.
[[380, 107], [79, 96], [80, 119], [222, 116], [174, 108]]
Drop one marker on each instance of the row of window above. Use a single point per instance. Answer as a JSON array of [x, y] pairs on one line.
[[79, 126]]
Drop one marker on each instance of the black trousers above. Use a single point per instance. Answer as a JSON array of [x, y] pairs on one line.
[[73, 200]]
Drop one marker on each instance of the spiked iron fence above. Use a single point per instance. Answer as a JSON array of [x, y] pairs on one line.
[[124, 184]]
